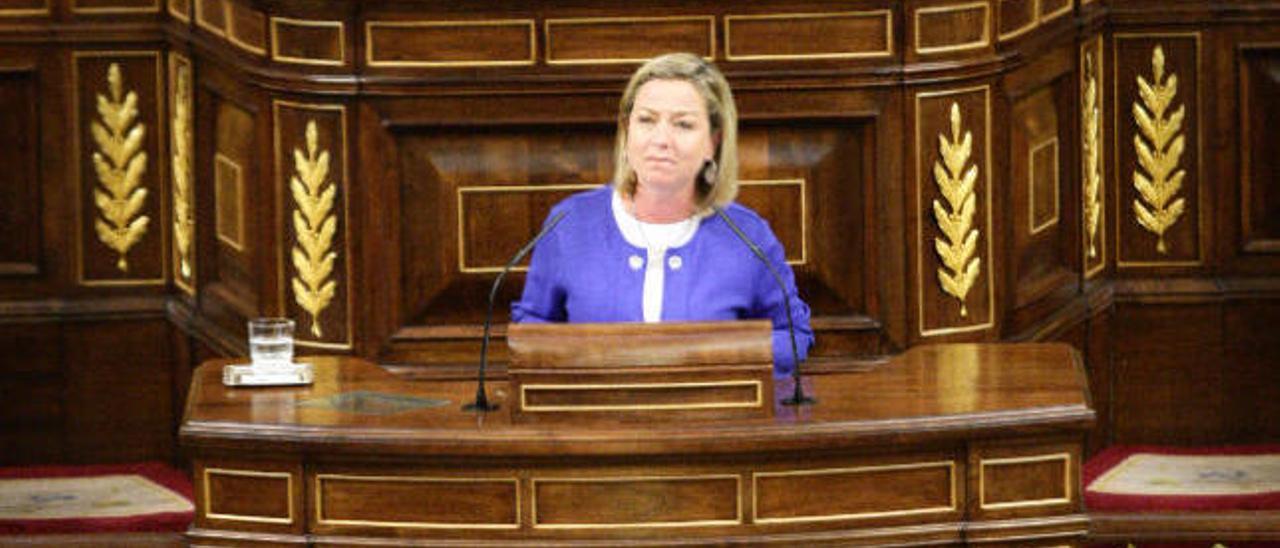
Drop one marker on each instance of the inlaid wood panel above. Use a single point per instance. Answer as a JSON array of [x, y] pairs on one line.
[[119, 106], [1260, 149], [1043, 256], [25, 8], [114, 7], [1164, 156], [211, 15], [876, 492], [249, 495], [636, 501], [846, 35], [247, 28], [20, 195], [1017, 17], [308, 42], [1024, 480], [230, 172], [610, 39], [450, 43], [180, 9], [954, 291], [950, 28], [1053, 9], [1093, 156], [312, 182], [444, 500]]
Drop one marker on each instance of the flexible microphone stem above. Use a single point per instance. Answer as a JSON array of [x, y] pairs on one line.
[[481, 402], [798, 396]]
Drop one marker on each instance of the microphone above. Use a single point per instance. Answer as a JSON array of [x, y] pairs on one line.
[[481, 402], [798, 396]]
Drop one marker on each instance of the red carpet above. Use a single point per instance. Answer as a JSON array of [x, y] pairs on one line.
[[139, 497]]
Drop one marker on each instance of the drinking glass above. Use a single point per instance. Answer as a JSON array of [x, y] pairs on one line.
[[271, 342]]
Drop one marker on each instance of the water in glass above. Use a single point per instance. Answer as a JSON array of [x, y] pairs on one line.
[[271, 342]]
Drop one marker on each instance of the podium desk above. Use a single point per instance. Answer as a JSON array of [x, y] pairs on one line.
[[949, 444]]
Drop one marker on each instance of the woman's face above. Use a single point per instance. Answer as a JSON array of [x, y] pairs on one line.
[[668, 136]]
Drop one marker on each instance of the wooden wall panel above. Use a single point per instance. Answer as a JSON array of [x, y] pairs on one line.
[[947, 28], [20, 190], [307, 42], [609, 40], [952, 188], [450, 43], [312, 185], [1169, 63], [121, 179], [1249, 366], [1260, 150], [847, 35], [114, 7], [26, 8]]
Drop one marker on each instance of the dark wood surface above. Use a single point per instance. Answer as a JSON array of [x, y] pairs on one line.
[[941, 439]]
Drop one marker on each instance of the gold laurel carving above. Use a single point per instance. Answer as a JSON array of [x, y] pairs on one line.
[[1091, 112], [183, 221], [957, 187], [120, 164], [314, 227], [1163, 179]]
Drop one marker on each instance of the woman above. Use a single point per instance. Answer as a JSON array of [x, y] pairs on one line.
[[651, 247]]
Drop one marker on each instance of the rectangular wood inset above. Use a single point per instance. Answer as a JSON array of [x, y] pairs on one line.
[[303, 42], [615, 397], [1025, 481], [20, 178], [247, 28], [248, 495], [21, 8], [449, 43], [1053, 9], [847, 35], [180, 10], [783, 202], [1044, 185], [417, 501], [114, 6], [1259, 140], [211, 15], [228, 194], [944, 29], [1016, 18], [483, 244], [855, 493], [626, 502], [611, 40]]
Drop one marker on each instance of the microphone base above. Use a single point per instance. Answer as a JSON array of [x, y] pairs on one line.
[[480, 405], [796, 401]]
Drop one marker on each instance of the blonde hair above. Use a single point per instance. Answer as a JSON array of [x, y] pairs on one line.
[[721, 113]]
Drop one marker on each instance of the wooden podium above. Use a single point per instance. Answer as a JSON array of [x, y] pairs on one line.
[[619, 372], [942, 445]]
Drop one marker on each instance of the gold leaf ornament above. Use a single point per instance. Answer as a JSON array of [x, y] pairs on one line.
[[183, 221], [314, 226], [1159, 148], [120, 164], [959, 267], [1091, 112]]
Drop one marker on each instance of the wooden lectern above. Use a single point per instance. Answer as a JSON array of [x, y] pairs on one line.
[[618, 372]]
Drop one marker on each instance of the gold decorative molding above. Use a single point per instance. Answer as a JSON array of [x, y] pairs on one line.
[[737, 520], [1163, 178], [957, 187], [980, 42], [208, 499], [228, 200], [984, 463], [115, 10], [757, 399], [373, 60], [552, 59], [1091, 116], [314, 227], [182, 166], [120, 164], [339, 39]]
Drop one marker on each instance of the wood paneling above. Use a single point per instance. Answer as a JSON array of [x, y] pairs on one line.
[[311, 163], [114, 7], [449, 43], [1017, 17], [307, 42], [440, 500], [609, 40], [953, 189], [847, 35], [20, 189], [882, 492], [1260, 150], [25, 8], [635, 501], [1178, 150], [247, 28], [121, 171], [950, 28]]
